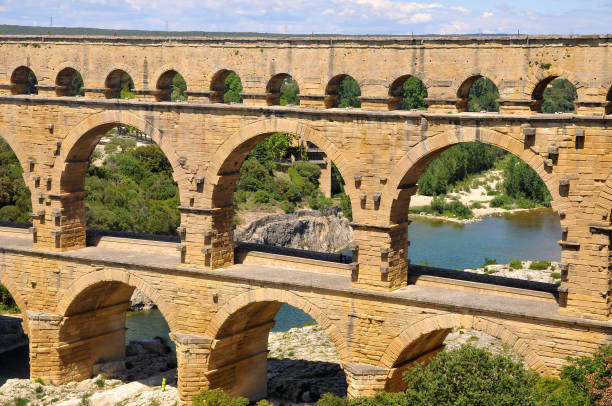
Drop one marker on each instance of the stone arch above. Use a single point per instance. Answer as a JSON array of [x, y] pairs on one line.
[[112, 81], [217, 84], [19, 78], [406, 172], [63, 77], [83, 137], [538, 80], [608, 101], [410, 335], [395, 90], [114, 275], [262, 295], [20, 153], [463, 90], [163, 78], [228, 158], [273, 88], [602, 213], [20, 300], [332, 87]]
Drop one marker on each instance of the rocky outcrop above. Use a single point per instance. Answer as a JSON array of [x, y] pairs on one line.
[[323, 231], [140, 301]]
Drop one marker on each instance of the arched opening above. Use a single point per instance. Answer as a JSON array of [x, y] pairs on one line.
[[225, 87], [14, 351], [285, 182], [69, 82], [554, 95], [171, 86], [429, 345], [23, 81], [15, 199], [488, 210], [282, 90], [478, 94], [342, 91], [119, 85], [128, 184], [276, 351], [609, 102], [407, 93], [101, 335]]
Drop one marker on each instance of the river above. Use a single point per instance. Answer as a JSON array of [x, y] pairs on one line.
[[522, 235]]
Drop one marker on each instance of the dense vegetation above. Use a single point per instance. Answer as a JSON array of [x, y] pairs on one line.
[[15, 201], [132, 190], [470, 376], [7, 302], [559, 96]]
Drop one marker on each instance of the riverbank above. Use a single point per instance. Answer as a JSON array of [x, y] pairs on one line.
[[479, 214]]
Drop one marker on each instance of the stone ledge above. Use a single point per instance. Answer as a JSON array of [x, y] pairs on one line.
[[422, 296], [364, 369], [187, 339], [399, 115]]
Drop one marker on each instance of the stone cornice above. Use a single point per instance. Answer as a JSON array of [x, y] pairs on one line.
[[307, 113]]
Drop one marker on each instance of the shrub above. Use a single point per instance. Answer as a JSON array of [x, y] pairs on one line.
[[308, 171], [217, 397], [261, 196], [328, 399], [470, 376], [539, 265], [497, 201], [555, 275], [296, 178], [287, 206], [516, 264], [490, 261], [476, 205], [345, 206]]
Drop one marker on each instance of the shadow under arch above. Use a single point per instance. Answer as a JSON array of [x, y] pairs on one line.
[[19, 299], [94, 311], [403, 179], [112, 83], [66, 80], [228, 158], [240, 330], [426, 337], [217, 85], [163, 85], [608, 102], [23, 81]]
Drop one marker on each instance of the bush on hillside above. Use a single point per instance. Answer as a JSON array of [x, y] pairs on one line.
[[216, 397], [470, 376]]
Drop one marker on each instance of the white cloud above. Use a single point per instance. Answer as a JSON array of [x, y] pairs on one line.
[[242, 12], [328, 11], [487, 14], [460, 8], [419, 18]]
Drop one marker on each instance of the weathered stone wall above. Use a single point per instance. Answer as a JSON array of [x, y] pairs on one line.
[[370, 314], [78, 299]]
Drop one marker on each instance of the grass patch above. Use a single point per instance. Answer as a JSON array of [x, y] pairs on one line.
[[539, 265], [516, 264]]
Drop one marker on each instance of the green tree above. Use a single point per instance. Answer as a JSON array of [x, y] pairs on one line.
[[559, 96], [232, 89], [413, 95], [483, 96], [15, 200], [127, 85], [289, 92], [348, 93], [457, 163], [76, 85], [179, 88], [522, 182], [30, 84], [470, 376]]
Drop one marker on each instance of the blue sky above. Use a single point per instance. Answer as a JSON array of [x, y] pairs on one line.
[[320, 16]]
